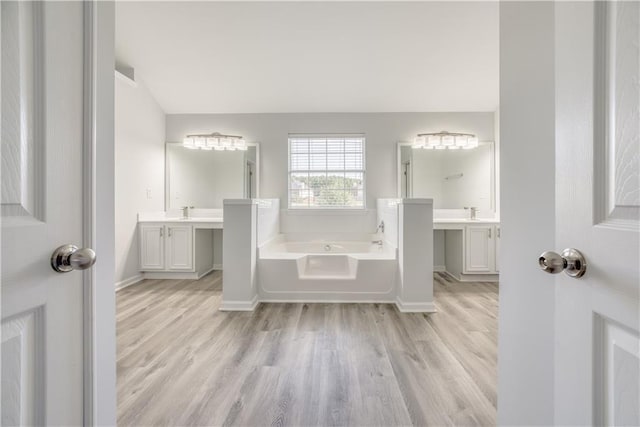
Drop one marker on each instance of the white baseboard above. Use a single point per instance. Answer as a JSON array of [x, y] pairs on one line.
[[415, 307], [451, 275], [439, 268], [474, 277], [217, 267], [479, 278], [239, 305], [162, 275], [304, 300], [204, 273], [130, 281]]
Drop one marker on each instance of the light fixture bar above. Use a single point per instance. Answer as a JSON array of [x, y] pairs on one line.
[[213, 135], [443, 140], [215, 141]]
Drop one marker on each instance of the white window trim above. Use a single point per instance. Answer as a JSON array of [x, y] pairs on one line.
[[318, 209]]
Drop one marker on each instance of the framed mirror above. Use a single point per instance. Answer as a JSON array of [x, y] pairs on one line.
[[454, 179], [203, 179]]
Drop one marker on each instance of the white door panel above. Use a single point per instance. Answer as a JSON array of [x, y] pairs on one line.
[[598, 212], [479, 249], [180, 248], [152, 246], [42, 208]]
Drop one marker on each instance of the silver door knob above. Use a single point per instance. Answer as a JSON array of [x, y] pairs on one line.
[[571, 261], [69, 257]]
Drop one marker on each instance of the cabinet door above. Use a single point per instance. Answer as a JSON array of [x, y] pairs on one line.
[[497, 248], [180, 247], [479, 251], [151, 247]]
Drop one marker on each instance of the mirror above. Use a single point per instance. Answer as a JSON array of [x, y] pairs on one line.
[[454, 179], [203, 179]]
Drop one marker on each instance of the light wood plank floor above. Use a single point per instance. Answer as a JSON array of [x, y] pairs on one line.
[[183, 362]]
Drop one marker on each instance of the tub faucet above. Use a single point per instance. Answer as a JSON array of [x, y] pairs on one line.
[[185, 211], [377, 242], [472, 212], [380, 227]]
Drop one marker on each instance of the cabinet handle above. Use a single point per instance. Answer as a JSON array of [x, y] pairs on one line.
[[489, 233], [162, 232], [498, 232], [169, 231]]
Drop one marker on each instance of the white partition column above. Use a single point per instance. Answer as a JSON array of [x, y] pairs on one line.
[[239, 281], [415, 256]]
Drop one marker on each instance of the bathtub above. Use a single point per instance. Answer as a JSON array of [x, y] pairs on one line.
[[320, 269]]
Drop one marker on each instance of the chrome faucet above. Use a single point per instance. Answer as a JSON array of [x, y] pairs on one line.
[[377, 242], [185, 211], [473, 211], [380, 227]]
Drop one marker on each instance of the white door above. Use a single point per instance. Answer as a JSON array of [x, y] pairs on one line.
[[180, 247], [42, 208], [479, 249], [597, 361], [151, 247]]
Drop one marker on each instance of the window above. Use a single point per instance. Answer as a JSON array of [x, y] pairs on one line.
[[326, 171]]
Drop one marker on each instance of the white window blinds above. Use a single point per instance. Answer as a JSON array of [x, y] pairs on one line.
[[326, 171]]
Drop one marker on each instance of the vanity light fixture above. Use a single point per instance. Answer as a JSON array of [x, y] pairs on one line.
[[443, 140], [215, 141]]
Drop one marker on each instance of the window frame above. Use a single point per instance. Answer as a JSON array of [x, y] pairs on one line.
[[363, 171]]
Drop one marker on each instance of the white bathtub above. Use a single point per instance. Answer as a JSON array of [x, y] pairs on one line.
[[327, 270]]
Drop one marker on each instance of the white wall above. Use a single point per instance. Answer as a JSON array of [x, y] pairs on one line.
[[382, 130], [526, 318], [387, 212], [139, 164]]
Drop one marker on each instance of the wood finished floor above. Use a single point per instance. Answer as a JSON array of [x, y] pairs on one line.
[[183, 362]]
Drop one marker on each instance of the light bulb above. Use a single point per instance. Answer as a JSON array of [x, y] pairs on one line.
[[188, 142], [418, 142], [461, 140], [433, 141], [472, 142], [448, 140]]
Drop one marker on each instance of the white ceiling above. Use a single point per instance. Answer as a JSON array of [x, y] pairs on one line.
[[264, 57]]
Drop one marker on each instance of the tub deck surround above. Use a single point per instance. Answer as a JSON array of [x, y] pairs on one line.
[[240, 290], [415, 256], [315, 267], [328, 266]]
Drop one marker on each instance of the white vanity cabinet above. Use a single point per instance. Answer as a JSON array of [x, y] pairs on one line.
[[174, 248], [481, 255], [471, 248], [166, 247]]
